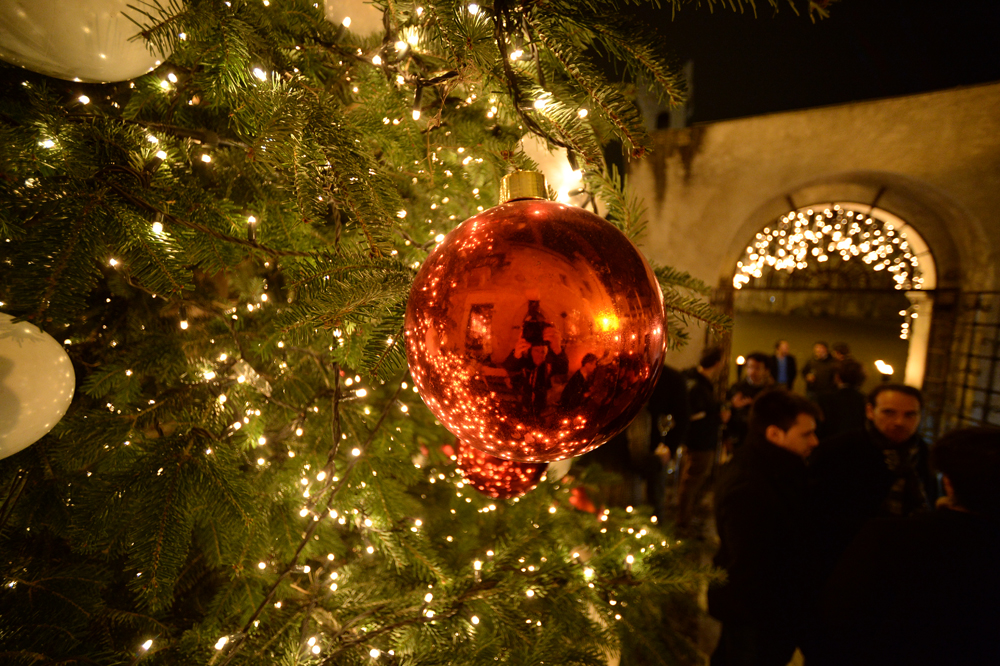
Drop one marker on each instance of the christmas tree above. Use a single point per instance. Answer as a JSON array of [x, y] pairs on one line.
[[224, 247]]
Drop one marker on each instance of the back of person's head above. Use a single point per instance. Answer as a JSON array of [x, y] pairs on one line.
[[759, 357], [842, 348], [851, 373], [588, 358], [778, 407], [710, 358], [970, 458], [898, 388]]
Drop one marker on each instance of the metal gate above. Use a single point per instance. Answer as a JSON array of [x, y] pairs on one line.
[[962, 384]]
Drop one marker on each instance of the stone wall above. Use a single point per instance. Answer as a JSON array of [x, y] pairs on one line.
[[933, 160]]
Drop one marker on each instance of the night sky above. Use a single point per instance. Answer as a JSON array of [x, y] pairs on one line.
[[866, 49]]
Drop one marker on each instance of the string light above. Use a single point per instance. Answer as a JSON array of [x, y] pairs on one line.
[[804, 235], [809, 235]]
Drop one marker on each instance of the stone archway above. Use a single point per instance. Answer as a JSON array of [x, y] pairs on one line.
[[906, 207]]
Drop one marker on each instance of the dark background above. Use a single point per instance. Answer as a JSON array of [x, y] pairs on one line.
[[866, 49]]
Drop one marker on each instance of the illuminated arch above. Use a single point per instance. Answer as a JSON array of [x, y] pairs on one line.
[[811, 235], [848, 230]]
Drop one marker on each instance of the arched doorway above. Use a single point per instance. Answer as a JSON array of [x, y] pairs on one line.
[[841, 271]]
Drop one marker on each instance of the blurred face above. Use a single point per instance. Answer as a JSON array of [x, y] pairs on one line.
[[538, 354], [820, 351], [800, 438], [782, 349], [895, 415], [755, 371]]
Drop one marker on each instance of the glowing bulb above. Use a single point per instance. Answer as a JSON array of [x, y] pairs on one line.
[[206, 158], [377, 60], [221, 643], [84, 99], [148, 644], [475, 619], [260, 74], [375, 653], [346, 22]]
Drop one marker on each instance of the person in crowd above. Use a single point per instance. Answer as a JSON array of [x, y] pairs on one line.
[[880, 471], [844, 409], [818, 371], [761, 515], [926, 590], [782, 365], [578, 388], [841, 351], [670, 412], [756, 378], [532, 364], [702, 438]]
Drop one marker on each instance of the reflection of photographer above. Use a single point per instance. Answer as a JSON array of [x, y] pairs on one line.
[[535, 324], [535, 360]]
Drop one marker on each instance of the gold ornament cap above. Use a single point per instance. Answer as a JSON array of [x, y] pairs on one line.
[[522, 185]]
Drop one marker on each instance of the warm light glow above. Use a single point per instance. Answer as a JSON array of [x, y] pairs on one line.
[[608, 322], [740, 360], [883, 367]]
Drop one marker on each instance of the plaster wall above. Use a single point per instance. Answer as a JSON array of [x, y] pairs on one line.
[[931, 159]]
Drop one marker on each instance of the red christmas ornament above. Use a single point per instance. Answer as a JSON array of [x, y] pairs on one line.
[[535, 330], [496, 477]]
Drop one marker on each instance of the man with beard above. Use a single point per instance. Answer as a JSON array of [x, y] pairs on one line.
[[881, 471]]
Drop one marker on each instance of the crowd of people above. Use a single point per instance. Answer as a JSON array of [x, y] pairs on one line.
[[841, 531]]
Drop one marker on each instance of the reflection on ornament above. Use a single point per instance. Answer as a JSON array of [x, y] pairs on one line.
[[496, 477], [361, 18], [36, 384], [560, 174], [535, 330], [83, 40]]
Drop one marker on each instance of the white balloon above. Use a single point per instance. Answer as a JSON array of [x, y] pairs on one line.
[[364, 17], [79, 40], [36, 384]]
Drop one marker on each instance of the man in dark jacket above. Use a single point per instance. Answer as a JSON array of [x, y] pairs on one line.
[[761, 515], [702, 437], [926, 590], [880, 471], [818, 371], [782, 366], [741, 395], [845, 409]]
